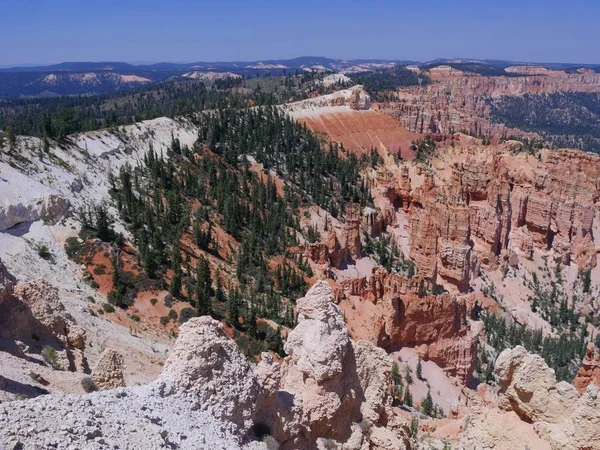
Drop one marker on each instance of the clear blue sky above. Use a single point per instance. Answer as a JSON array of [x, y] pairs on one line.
[[45, 31]]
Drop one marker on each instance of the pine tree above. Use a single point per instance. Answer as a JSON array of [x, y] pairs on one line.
[[233, 307], [414, 427], [12, 137], [219, 292], [408, 400], [202, 301], [175, 286], [103, 230], [203, 275], [278, 344], [408, 375], [427, 404], [252, 328], [420, 369], [396, 377]]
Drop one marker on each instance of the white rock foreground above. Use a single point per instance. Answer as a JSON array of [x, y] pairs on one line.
[[176, 411], [209, 395], [557, 416]]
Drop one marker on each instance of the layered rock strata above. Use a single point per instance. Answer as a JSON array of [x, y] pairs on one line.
[[398, 314]]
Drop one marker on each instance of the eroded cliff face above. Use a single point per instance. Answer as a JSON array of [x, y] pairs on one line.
[[346, 117], [589, 372], [397, 314], [479, 206], [456, 100]]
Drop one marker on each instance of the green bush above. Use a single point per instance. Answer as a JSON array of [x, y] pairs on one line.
[[88, 384], [43, 251], [51, 357], [107, 307], [73, 247], [186, 314]]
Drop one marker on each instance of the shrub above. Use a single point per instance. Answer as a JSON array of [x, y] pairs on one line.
[[99, 270], [164, 320], [51, 357], [72, 247], [43, 251], [186, 314], [135, 317], [107, 307], [153, 301], [88, 384], [172, 314]]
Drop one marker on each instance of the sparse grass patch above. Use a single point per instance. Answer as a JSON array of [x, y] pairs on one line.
[[51, 357]]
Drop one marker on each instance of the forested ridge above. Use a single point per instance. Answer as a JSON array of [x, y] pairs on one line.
[[566, 119], [57, 117], [178, 207]]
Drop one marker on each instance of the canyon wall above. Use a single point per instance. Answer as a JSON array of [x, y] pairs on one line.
[[456, 100], [479, 206], [393, 312]]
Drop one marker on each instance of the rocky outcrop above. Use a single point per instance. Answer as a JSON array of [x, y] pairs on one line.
[[355, 98], [327, 384], [48, 208], [589, 372], [35, 315], [53, 321], [7, 282], [203, 399], [491, 207], [108, 371], [529, 388], [359, 99], [328, 389], [317, 252], [440, 236], [208, 368], [344, 243], [582, 429], [401, 315]]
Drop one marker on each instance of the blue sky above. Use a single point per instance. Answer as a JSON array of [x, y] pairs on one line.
[[44, 31]]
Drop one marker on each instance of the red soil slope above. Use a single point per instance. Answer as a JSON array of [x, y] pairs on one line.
[[359, 131]]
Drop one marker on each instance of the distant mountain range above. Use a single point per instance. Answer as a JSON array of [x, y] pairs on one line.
[[77, 78]]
